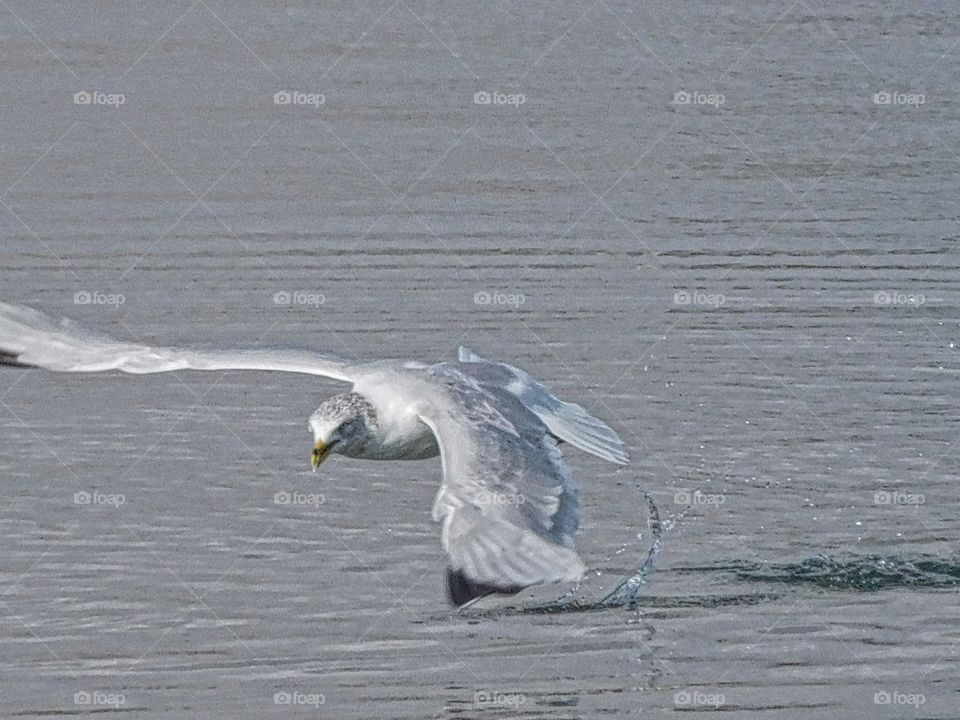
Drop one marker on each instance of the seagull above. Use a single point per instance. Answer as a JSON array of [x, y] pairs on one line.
[[507, 503]]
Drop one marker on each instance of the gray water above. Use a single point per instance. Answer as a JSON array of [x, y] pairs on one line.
[[759, 295]]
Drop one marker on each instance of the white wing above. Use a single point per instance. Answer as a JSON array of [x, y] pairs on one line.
[[567, 421], [30, 338], [508, 503]]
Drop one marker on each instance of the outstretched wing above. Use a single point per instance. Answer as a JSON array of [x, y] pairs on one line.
[[567, 421], [508, 503], [32, 339]]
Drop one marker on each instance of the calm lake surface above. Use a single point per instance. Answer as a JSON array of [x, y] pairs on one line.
[[730, 230]]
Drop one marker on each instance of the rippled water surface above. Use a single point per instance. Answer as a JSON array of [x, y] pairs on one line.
[[760, 295]]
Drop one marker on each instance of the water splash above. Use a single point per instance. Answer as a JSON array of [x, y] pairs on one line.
[[627, 592]]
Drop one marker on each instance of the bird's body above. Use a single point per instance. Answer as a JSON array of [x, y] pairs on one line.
[[508, 505], [401, 435]]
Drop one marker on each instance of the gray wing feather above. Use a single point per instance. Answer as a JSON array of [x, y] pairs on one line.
[[567, 421], [508, 504], [31, 338]]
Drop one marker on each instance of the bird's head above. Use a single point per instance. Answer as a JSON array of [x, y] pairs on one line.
[[343, 424]]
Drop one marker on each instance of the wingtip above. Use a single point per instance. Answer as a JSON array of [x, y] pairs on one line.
[[462, 591], [465, 354], [620, 455], [11, 359]]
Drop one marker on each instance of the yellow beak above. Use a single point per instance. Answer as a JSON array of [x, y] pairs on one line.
[[320, 452]]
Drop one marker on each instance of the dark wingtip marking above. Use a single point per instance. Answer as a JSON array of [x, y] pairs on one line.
[[10, 359], [462, 590]]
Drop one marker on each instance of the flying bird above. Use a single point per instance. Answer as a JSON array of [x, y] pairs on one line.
[[508, 505]]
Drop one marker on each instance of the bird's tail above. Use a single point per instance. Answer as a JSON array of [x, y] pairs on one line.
[[573, 424], [566, 421]]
